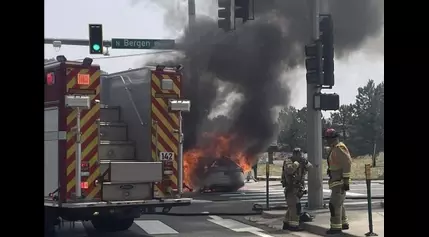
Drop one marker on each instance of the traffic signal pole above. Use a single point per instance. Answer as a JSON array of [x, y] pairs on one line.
[[314, 128]]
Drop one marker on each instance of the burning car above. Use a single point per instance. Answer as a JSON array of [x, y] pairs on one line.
[[218, 163], [223, 174]]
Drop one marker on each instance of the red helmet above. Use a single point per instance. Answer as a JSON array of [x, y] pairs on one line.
[[330, 133]]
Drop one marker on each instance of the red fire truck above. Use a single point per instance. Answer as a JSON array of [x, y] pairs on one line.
[[112, 145]]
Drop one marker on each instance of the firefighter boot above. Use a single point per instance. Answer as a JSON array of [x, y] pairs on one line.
[[345, 226], [295, 228], [285, 226], [333, 232]]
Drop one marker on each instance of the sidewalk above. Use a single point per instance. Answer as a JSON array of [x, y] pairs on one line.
[[358, 220]]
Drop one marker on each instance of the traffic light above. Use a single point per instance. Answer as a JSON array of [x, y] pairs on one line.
[[326, 101], [326, 27], [242, 9], [95, 39], [225, 13], [314, 63]]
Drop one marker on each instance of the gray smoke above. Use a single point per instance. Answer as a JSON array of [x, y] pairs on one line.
[[253, 58]]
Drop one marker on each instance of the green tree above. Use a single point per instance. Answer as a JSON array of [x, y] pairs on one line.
[[293, 124], [343, 119], [367, 122], [361, 124]]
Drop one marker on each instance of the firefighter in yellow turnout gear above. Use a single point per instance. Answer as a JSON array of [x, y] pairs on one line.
[[339, 167], [293, 174]]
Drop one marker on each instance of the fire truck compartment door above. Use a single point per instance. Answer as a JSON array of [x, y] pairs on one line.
[[132, 171], [126, 191]]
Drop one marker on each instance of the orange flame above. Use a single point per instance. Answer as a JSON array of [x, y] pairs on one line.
[[215, 146]]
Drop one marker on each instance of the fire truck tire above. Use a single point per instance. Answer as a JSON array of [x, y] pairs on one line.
[[50, 220], [49, 228], [111, 224]]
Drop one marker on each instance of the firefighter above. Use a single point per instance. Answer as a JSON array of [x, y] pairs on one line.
[[293, 175], [339, 167]]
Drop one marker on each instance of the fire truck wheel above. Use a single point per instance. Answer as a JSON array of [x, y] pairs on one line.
[[110, 224], [49, 228], [50, 220]]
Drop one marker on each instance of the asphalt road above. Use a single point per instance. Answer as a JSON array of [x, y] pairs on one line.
[[172, 226], [218, 215]]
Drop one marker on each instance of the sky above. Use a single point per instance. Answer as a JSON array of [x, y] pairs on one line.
[[141, 19]]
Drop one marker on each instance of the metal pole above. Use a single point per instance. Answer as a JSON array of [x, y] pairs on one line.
[[76, 42], [267, 178], [180, 158], [191, 13], [369, 199], [78, 155], [156, 144], [314, 132], [374, 157]]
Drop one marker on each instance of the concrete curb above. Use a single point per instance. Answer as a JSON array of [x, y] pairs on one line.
[[319, 230]]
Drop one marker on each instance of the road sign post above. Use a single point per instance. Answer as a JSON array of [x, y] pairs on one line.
[[142, 43], [369, 199]]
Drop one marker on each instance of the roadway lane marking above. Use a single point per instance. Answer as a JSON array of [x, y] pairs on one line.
[[260, 234], [200, 201], [244, 196], [237, 226], [155, 227]]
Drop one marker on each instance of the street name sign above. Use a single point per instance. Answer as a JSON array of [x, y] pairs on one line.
[[142, 43]]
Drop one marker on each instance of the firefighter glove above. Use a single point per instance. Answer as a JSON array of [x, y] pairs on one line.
[[346, 184], [346, 187]]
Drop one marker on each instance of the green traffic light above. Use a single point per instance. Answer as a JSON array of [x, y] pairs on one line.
[[96, 47]]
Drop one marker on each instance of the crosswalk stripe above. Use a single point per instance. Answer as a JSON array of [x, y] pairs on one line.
[[345, 203], [250, 195], [155, 227]]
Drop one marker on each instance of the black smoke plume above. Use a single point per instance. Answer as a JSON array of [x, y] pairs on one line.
[[253, 59]]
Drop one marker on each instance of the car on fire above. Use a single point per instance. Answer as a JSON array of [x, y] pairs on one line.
[[223, 174]]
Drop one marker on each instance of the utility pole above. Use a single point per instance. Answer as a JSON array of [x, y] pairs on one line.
[[314, 128]]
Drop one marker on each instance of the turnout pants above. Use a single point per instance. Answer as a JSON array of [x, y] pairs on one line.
[[336, 207], [293, 208]]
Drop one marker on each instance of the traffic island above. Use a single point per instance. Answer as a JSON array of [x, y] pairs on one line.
[[358, 220]]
